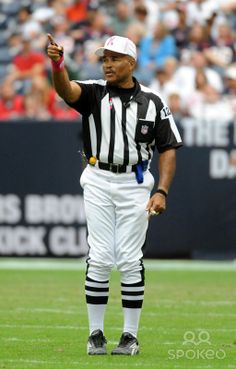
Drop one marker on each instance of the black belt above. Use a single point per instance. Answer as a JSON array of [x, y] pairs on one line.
[[116, 168]]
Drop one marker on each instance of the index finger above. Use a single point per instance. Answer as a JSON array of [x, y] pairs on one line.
[[51, 40]]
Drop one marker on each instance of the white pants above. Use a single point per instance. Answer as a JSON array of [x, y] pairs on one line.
[[117, 222]]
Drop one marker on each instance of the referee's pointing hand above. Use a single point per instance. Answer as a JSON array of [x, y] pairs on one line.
[[54, 51]]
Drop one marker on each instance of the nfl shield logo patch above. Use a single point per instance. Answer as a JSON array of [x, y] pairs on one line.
[[144, 129]]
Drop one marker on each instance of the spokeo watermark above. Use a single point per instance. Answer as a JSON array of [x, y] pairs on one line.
[[196, 339]]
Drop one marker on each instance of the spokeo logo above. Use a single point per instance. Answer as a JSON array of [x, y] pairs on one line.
[[197, 339]]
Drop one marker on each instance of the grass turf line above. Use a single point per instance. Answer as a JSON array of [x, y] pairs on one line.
[[43, 320]]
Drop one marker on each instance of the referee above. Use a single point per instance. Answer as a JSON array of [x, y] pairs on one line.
[[123, 122]]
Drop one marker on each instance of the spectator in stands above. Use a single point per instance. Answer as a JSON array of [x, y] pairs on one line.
[[174, 102], [45, 13], [61, 31], [63, 112], [200, 11], [223, 50], [154, 50], [14, 43], [89, 65], [200, 79], [33, 108], [39, 99], [162, 84], [212, 107], [41, 102], [22, 18], [96, 28], [25, 24], [228, 8], [27, 64], [197, 96], [230, 79], [186, 73], [135, 32], [142, 21], [198, 38], [181, 31], [44, 93], [11, 104], [153, 13], [140, 14], [170, 67], [77, 12], [122, 19], [43, 16], [230, 86]]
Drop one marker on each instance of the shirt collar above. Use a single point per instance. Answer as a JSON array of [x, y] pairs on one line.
[[136, 96]]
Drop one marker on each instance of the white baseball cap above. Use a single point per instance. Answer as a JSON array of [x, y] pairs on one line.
[[118, 44]]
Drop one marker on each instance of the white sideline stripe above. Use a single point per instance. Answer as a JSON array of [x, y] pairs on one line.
[[190, 265], [16, 339], [43, 310], [34, 264], [121, 364], [47, 362], [199, 302], [88, 363], [47, 340], [207, 366], [28, 326], [150, 314], [71, 327], [80, 264], [209, 314]]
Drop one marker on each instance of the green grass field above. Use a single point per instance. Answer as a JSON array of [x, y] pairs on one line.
[[43, 321]]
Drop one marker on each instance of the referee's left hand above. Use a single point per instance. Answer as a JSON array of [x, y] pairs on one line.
[[156, 205]]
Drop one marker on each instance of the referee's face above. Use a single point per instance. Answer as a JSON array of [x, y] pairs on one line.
[[118, 69]]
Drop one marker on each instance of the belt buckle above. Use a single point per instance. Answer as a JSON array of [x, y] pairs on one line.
[[119, 166], [114, 168]]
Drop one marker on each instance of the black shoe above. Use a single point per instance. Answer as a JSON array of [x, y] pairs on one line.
[[128, 345], [96, 343]]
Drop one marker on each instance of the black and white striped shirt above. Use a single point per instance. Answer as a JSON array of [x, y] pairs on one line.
[[121, 132]]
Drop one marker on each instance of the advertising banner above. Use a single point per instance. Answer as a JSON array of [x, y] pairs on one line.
[[41, 201], [200, 221]]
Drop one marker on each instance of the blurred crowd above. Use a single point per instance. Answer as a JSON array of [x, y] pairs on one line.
[[186, 52]]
